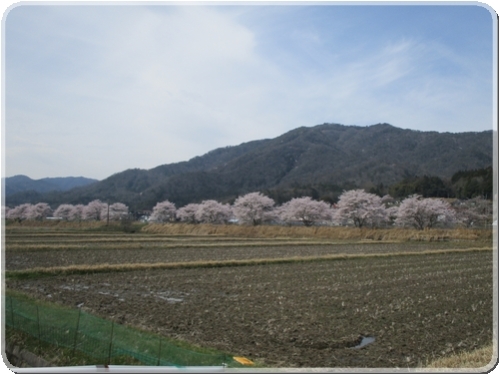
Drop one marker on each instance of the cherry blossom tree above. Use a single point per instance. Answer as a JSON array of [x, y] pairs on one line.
[[305, 210], [117, 211], [422, 213], [187, 213], [93, 210], [64, 211], [213, 212], [253, 208], [474, 211], [19, 212], [392, 214], [391, 208], [163, 212], [39, 211], [360, 208], [76, 213]]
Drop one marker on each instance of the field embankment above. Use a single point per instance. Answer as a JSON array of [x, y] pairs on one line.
[[482, 357], [320, 232], [251, 232]]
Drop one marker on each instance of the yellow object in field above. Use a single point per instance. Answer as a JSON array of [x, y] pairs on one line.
[[243, 361]]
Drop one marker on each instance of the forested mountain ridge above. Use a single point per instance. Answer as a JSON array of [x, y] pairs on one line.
[[20, 183], [318, 161]]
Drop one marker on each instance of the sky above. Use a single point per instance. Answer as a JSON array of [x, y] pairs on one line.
[[92, 90]]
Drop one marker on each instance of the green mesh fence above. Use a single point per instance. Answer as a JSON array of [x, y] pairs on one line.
[[101, 339]]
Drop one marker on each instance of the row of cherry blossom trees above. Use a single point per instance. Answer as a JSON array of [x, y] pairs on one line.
[[354, 208], [95, 210]]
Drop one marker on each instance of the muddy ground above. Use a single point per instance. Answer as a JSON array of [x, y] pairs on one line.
[[300, 314]]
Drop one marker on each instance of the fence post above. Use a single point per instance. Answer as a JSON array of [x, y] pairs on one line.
[[76, 332], [111, 342], [159, 354]]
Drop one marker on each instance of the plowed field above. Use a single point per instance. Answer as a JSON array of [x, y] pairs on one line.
[[416, 307]]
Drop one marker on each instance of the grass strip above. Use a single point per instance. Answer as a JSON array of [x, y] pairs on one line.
[[58, 355], [103, 268], [476, 359], [92, 239], [134, 340], [112, 246]]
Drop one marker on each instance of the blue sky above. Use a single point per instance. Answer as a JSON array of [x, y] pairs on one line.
[[93, 90]]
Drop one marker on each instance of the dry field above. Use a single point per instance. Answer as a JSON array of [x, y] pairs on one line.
[[420, 302]]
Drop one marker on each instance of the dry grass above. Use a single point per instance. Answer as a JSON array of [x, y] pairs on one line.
[[112, 245], [337, 233], [100, 268], [263, 231], [59, 224], [479, 358]]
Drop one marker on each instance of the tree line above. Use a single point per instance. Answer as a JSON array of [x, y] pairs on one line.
[[462, 185], [355, 207], [140, 192]]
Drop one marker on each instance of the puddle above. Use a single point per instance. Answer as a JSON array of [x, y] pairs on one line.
[[364, 341], [167, 296], [170, 299], [109, 294], [75, 287]]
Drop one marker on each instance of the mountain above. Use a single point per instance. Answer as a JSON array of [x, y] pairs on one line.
[[318, 161], [21, 183]]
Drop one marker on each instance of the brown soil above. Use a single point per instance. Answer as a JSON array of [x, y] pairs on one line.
[[144, 251], [296, 314]]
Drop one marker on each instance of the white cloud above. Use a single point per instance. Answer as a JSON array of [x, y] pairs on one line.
[[112, 88]]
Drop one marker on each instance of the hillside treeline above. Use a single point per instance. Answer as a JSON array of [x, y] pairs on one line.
[[462, 185]]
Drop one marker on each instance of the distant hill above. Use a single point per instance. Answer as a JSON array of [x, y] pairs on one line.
[[21, 183], [318, 161]]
